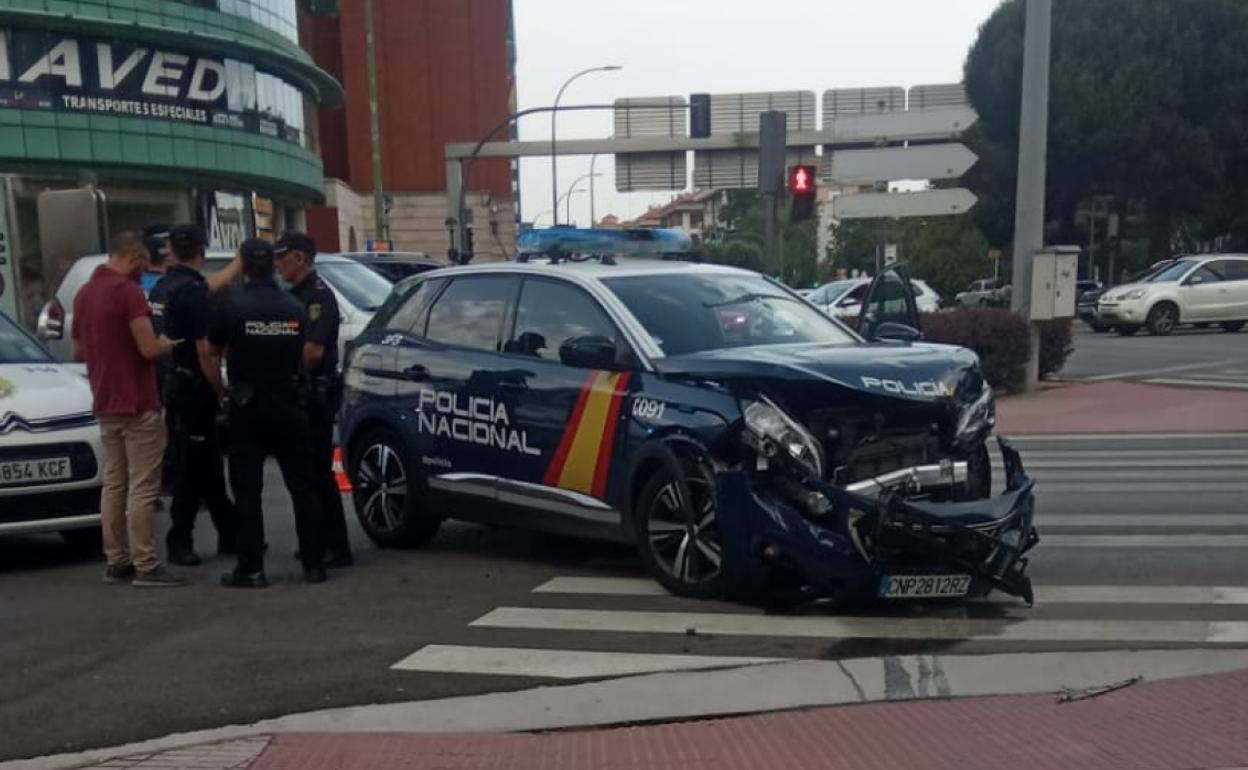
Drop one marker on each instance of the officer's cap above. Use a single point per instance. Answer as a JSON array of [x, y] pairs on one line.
[[187, 236], [295, 241], [256, 252]]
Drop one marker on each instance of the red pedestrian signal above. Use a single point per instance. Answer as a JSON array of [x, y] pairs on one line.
[[802, 180], [802, 190]]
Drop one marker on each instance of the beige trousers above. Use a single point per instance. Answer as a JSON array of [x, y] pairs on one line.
[[133, 449]]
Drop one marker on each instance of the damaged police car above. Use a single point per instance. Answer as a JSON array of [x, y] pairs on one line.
[[746, 442]]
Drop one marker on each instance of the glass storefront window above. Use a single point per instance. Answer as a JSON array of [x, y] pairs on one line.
[[277, 15]]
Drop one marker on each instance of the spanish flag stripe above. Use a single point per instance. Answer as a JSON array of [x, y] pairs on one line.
[[553, 471], [582, 461], [606, 450]]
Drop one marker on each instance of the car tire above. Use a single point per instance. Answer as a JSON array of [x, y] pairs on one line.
[[1127, 331], [1099, 328], [390, 500], [664, 538], [86, 540], [1233, 326], [1163, 318]]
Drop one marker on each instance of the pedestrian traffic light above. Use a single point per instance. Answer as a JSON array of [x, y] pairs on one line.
[[802, 191], [699, 115]]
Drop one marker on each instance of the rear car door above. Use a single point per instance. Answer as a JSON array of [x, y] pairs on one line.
[[1205, 295], [448, 370], [1237, 282], [889, 306], [563, 389]]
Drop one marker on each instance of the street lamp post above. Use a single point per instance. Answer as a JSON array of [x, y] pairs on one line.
[[541, 214], [568, 197], [593, 214], [580, 179], [554, 158]]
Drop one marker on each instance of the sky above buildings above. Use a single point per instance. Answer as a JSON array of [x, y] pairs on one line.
[[678, 47]]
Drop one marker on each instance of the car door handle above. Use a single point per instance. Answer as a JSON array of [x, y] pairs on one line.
[[416, 373]]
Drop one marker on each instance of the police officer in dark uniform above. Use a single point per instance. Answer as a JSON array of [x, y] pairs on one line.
[[190, 404], [296, 257], [260, 331]]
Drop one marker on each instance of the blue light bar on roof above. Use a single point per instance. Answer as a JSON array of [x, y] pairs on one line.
[[571, 240]]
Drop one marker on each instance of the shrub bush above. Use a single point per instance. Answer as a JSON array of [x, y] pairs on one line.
[[996, 334], [1057, 342], [1000, 339]]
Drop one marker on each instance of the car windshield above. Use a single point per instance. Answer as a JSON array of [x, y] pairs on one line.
[[834, 291], [362, 287], [1173, 273], [692, 313], [18, 347]]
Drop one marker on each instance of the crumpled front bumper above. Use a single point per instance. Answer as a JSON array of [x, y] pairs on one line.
[[846, 551]]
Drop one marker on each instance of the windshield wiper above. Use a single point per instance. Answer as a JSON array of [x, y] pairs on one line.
[[752, 297]]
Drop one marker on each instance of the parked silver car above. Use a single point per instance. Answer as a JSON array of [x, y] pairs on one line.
[[359, 290]]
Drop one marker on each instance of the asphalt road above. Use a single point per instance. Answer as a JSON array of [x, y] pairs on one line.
[[1189, 357], [84, 665]]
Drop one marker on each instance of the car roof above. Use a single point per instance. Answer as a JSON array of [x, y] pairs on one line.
[[593, 270], [391, 256]]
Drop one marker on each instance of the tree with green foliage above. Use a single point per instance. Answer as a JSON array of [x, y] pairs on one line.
[[1148, 105], [947, 252], [738, 240]]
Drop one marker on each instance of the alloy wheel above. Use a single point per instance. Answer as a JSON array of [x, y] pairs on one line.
[[687, 548], [383, 481]]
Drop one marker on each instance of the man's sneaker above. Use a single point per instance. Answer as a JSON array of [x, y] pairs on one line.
[[158, 578], [115, 574]]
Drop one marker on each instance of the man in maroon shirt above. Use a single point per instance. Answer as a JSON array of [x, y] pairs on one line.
[[113, 334]]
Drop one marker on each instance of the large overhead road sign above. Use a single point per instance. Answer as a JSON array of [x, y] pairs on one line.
[[925, 203], [932, 161], [738, 115], [656, 116]]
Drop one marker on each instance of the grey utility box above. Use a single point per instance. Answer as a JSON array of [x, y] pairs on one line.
[[1053, 275]]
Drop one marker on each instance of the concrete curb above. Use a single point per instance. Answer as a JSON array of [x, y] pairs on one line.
[[702, 694]]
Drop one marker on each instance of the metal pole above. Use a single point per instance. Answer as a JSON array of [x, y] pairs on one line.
[[1092, 239], [1032, 151], [568, 219], [770, 255], [593, 213], [379, 197], [554, 157]]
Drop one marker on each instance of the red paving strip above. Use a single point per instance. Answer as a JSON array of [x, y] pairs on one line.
[[1123, 407], [1181, 724]]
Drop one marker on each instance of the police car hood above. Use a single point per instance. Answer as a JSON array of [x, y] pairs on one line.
[[919, 372]]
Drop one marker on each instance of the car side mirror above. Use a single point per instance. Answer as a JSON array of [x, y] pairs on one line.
[[896, 332], [1194, 280], [589, 352]]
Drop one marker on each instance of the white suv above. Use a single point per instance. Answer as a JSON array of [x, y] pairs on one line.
[[1194, 290]]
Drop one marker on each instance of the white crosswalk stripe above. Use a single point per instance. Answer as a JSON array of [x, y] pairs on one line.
[[1194, 493], [1055, 594], [839, 628]]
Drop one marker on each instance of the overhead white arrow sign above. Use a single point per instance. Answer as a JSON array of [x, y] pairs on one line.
[[935, 161], [925, 203]]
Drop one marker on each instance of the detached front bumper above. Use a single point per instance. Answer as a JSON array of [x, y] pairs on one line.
[[860, 538]]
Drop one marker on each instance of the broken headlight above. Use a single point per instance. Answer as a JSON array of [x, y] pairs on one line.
[[977, 419], [774, 432]]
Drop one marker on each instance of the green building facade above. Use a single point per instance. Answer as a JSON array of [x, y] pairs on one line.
[[165, 110]]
